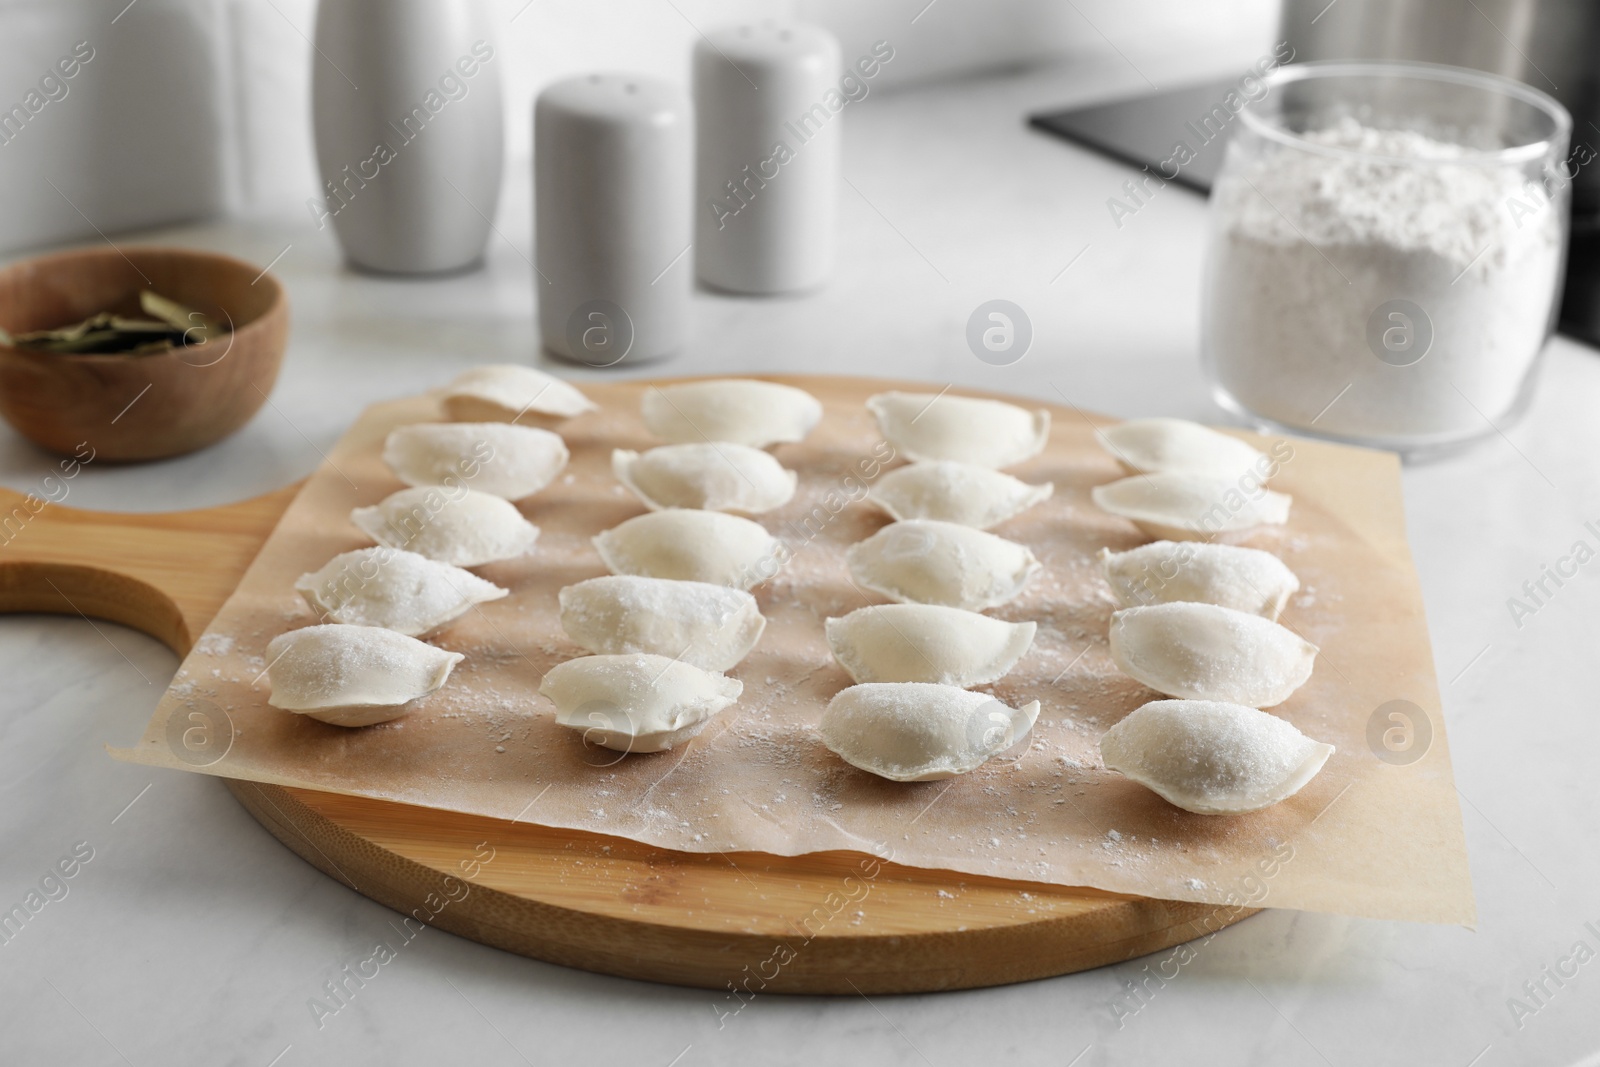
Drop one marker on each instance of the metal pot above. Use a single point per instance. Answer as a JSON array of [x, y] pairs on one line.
[[1549, 44]]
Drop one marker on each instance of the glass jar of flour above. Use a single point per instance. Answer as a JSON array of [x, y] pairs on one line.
[[1387, 243]]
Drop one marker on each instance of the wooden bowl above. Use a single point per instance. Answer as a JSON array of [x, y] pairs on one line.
[[133, 407]]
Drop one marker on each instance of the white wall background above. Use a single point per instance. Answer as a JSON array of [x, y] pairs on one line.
[[194, 107]]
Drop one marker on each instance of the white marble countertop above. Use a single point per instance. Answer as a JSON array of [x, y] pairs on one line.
[[192, 936]]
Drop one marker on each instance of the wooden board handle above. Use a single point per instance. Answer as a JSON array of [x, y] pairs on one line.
[[164, 573]]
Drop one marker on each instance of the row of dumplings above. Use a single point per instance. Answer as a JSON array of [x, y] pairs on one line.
[[911, 716], [367, 662], [676, 611], [1198, 623]]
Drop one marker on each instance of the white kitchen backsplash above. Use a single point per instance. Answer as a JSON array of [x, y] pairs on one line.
[[138, 133], [189, 108]]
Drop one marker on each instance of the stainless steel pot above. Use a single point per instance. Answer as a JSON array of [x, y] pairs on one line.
[[1552, 45]]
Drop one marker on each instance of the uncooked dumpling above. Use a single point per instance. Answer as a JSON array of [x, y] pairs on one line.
[[1191, 507], [1204, 652], [506, 392], [916, 732], [353, 675], [709, 476], [709, 626], [1148, 446], [636, 703], [928, 562], [1245, 579], [989, 433], [460, 526], [490, 457], [394, 589], [927, 643], [692, 546], [740, 410], [1213, 758], [956, 492]]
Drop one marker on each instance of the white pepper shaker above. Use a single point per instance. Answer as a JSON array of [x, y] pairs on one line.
[[767, 112], [613, 178]]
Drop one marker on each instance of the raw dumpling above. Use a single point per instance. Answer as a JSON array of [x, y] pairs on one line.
[[692, 546], [1203, 652], [989, 433], [1213, 758], [709, 476], [461, 526], [916, 732], [1245, 579], [1148, 446], [739, 410], [928, 562], [397, 590], [506, 392], [708, 626], [353, 675], [927, 643], [636, 703], [1191, 507], [490, 457], [956, 492]]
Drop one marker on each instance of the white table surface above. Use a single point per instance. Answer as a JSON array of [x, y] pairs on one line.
[[194, 937]]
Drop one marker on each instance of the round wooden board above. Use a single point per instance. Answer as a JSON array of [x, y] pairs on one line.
[[742, 923]]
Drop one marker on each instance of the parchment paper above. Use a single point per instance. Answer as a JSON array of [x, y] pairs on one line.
[[1369, 836]]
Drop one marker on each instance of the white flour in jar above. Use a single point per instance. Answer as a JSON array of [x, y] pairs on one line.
[[1315, 254]]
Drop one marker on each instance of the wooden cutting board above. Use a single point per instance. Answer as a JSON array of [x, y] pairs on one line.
[[743, 923]]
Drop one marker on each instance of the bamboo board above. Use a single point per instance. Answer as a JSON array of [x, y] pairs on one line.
[[743, 924]]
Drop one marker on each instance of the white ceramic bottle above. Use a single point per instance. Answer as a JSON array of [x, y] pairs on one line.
[[767, 119], [406, 106], [613, 164]]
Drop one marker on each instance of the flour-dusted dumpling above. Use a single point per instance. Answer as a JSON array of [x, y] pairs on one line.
[[928, 562], [1245, 579], [490, 457], [638, 702], [740, 410], [1213, 758], [927, 643], [506, 392], [458, 526], [709, 626], [353, 675], [918, 732], [692, 546], [956, 492], [1149, 446], [1191, 507], [1205, 652], [710, 476], [397, 590], [989, 433]]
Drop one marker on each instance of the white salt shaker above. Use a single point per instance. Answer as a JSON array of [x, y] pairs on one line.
[[406, 105], [767, 111], [613, 159]]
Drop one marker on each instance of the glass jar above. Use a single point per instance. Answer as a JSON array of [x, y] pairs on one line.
[[1386, 248]]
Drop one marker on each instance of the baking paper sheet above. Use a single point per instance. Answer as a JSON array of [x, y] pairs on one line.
[[1377, 833]]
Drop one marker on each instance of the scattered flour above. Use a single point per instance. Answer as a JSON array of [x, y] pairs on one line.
[[214, 644]]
